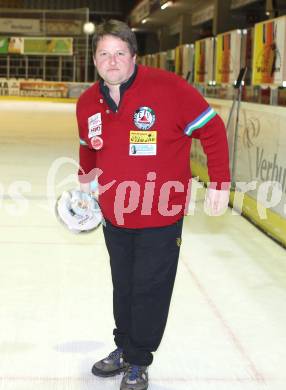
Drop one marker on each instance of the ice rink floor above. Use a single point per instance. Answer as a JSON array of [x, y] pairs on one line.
[[227, 322]]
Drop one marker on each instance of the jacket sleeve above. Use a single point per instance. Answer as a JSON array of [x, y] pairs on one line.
[[87, 156], [87, 164], [214, 143], [199, 120]]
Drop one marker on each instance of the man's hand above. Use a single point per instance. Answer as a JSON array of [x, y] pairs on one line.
[[216, 201], [78, 211], [90, 188], [85, 187]]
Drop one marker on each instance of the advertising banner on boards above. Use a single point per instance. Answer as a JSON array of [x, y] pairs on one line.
[[269, 55], [19, 26], [260, 150], [9, 87], [36, 46], [260, 169], [15, 45], [44, 89], [204, 64], [48, 46], [184, 59], [4, 43], [228, 56]]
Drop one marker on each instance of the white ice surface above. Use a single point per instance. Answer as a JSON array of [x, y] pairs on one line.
[[227, 322]]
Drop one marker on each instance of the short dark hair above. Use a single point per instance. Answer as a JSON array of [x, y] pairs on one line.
[[118, 29]]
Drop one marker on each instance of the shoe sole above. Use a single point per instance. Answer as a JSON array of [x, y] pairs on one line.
[[95, 371], [145, 388]]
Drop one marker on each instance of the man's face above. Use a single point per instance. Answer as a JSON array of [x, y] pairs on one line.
[[113, 60]]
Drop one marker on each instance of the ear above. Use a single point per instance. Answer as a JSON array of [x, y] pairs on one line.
[[94, 61], [134, 59]]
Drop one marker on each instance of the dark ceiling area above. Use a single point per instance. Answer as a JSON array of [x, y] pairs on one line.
[[93, 5], [98, 9]]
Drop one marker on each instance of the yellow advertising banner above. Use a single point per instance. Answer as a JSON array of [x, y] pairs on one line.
[[37, 45], [179, 60], [48, 46], [228, 56], [269, 52], [200, 61]]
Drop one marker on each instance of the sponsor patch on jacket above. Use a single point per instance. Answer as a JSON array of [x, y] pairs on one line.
[[94, 125], [142, 143], [96, 142], [144, 118]]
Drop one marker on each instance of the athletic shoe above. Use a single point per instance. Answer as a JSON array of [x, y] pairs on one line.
[[135, 378], [112, 365]]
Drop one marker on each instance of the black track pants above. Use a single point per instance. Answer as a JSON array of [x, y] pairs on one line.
[[143, 266]]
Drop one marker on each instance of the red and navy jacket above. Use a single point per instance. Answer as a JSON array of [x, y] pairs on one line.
[[142, 149]]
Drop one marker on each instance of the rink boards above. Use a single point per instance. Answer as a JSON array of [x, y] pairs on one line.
[[258, 157]]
